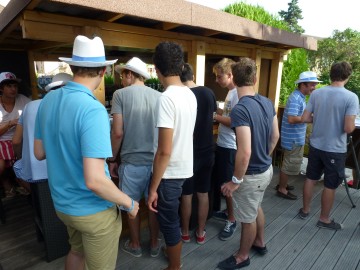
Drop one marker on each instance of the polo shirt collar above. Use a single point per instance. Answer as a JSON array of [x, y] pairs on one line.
[[79, 87]]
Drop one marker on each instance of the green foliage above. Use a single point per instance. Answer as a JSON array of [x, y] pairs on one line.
[[342, 46], [108, 79], [256, 13], [155, 84], [292, 16], [297, 59], [296, 63]]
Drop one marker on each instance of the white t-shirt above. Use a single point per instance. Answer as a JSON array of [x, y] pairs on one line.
[[20, 103], [226, 136], [176, 109]]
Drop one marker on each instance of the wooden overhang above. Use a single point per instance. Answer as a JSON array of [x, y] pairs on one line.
[[46, 30]]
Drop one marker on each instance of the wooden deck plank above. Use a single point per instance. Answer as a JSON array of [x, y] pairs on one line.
[[293, 243]]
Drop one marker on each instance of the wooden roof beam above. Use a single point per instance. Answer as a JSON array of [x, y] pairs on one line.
[[166, 26], [111, 17], [209, 33]]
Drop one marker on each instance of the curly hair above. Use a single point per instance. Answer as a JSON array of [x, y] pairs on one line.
[[340, 71], [244, 72], [169, 58]]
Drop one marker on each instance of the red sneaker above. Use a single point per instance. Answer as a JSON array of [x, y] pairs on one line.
[[185, 238], [201, 239]]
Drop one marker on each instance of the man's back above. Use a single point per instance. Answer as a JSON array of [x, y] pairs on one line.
[[258, 113], [177, 110], [137, 105], [31, 167], [206, 105], [329, 106], [72, 125]]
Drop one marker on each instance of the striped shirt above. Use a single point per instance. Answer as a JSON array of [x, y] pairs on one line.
[[293, 135]]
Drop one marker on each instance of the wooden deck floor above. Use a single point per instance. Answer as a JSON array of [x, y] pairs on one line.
[[293, 243]]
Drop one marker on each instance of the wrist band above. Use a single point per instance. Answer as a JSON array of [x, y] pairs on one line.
[[128, 209]]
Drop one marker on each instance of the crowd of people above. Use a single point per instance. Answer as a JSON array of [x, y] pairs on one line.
[[160, 147]]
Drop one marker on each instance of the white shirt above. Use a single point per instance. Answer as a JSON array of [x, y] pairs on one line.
[[176, 109]]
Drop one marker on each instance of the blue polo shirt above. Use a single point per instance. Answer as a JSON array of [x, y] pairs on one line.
[[293, 135], [72, 125]]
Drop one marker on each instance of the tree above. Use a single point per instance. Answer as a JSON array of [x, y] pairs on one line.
[[297, 59], [341, 46], [292, 16]]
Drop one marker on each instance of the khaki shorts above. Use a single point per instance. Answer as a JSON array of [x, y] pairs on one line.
[[292, 160], [250, 195], [96, 236]]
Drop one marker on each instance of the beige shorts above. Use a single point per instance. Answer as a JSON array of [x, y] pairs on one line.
[[250, 195], [292, 160], [96, 236]]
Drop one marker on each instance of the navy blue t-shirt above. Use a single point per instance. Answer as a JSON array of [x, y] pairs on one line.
[[256, 112]]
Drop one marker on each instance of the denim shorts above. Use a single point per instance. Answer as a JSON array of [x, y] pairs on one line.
[[250, 195], [329, 163], [169, 193], [134, 180]]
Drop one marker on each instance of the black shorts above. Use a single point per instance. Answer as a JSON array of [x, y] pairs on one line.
[[329, 163], [201, 180], [224, 164]]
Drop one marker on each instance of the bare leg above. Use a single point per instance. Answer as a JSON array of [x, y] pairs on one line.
[[134, 229], [327, 201], [203, 210], [260, 229], [75, 261], [283, 180], [230, 209], [174, 256], [248, 234], [154, 229], [307, 194], [185, 213]]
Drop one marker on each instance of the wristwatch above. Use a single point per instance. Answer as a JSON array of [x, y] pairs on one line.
[[237, 181]]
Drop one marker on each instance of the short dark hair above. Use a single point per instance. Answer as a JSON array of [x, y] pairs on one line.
[[86, 71], [169, 58], [340, 71], [187, 73], [244, 72]]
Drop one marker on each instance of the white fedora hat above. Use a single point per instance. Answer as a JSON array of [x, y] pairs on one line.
[[135, 65], [88, 53], [59, 79], [307, 76]]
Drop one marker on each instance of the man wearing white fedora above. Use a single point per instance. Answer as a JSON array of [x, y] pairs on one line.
[[132, 134], [72, 131], [293, 133]]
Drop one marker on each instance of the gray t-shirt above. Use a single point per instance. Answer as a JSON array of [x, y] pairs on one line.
[[329, 106], [136, 104]]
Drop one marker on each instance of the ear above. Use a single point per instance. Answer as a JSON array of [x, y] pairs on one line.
[[102, 72]]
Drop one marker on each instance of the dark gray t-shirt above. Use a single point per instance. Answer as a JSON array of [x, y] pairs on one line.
[[136, 104], [256, 112]]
